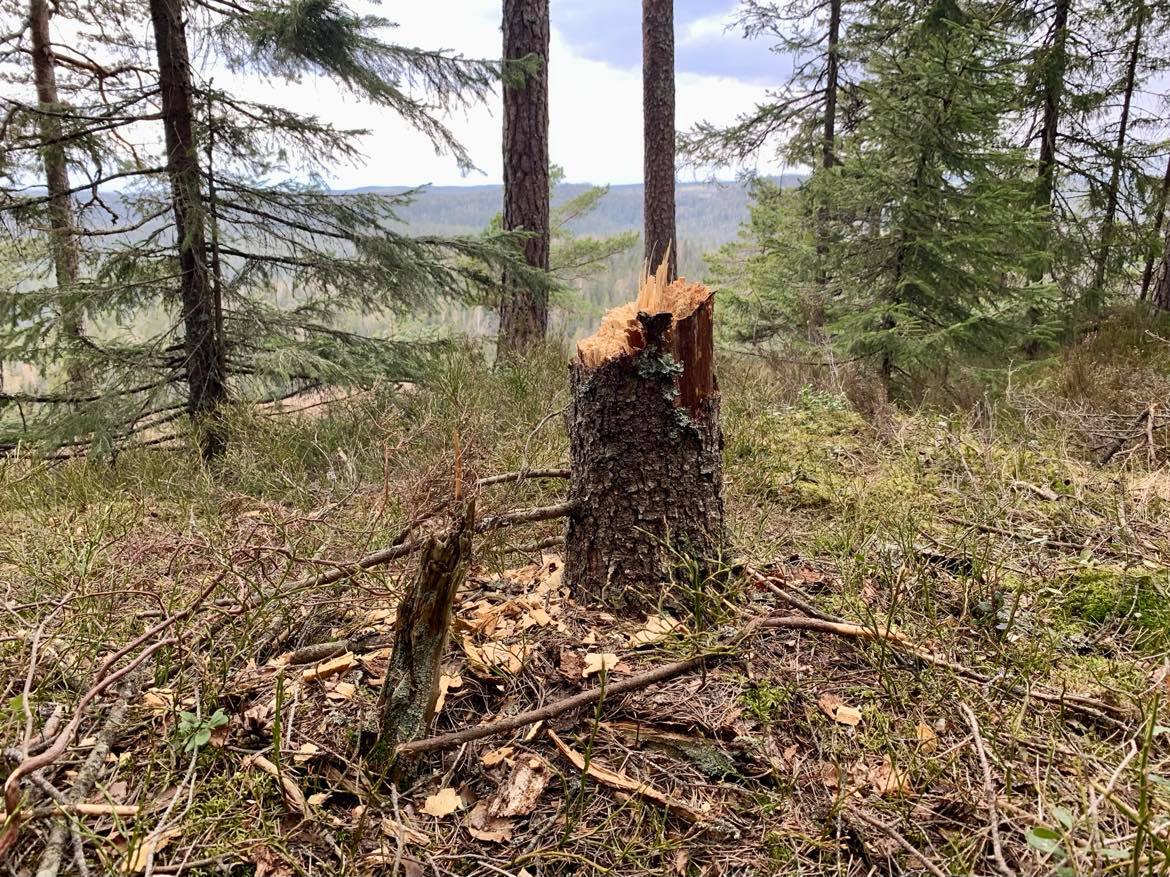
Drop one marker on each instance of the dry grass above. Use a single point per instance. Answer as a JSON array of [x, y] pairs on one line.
[[987, 537]]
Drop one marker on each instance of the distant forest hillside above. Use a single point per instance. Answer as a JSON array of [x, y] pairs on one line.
[[709, 214]]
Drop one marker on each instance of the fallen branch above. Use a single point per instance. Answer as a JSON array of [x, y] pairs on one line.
[[104, 678], [83, 783], [394, 552], [585, 698], [988, 792], [618, 780], [632, 683]]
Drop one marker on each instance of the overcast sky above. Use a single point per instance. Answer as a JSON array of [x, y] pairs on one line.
[[594, 83]]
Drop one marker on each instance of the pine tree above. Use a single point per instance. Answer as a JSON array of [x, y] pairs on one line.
[[260, 291], [524, 311], [658, 144]]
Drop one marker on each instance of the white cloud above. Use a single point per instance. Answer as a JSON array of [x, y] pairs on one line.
[[595, 109]]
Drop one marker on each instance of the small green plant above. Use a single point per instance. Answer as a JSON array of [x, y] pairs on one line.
[[765, 700], [196, 731]]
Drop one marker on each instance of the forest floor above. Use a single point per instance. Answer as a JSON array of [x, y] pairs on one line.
[[1002, 712]]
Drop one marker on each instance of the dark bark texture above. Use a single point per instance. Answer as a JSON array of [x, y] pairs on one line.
[[524, 311], [1055, 61], [658, 134], [645, 450], [1161, 292], [66, 251], [206, 381], [1112, 193], [421, 631]]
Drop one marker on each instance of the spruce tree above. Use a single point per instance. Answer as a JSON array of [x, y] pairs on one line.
[[933, 219], [267, 286]]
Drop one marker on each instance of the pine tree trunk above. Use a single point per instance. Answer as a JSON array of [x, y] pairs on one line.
[[206, 380], [645, 450], [1112, 194], [829, 134], [658, 134], [421, 632], [65, 244], [524, 311]]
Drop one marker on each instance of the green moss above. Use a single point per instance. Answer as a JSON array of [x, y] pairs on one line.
[[764, 700], [1136, 599]]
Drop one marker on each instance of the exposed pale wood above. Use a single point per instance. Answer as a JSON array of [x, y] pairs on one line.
[[421, 631]]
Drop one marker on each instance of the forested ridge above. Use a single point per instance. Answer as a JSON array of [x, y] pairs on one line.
[[799, 510]]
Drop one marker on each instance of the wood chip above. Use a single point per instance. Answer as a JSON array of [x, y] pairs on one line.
[[443, 803], [333, 667]]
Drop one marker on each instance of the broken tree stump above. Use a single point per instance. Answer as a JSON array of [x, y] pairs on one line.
[[421, 631], [645, 448]]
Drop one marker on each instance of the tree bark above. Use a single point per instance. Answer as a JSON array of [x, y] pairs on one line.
[[524, 311], [421, 631], [829, 135], [206, 379], [658, 134], [63, 227], [1160, 296], [1055, 65], [1159, 219], [645, 450], [1106, 245]]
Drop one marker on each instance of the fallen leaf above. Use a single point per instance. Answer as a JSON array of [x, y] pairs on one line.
[[830, 775], [446, 683], [570, 664], [294, 798], [269, 864], [325, 669], [443, 803], [341, 691], [888, 781], [837, 710], [390, 828], [491, 759], [137, 855], [596, 662], [656, 629], [482, 825], [305, 752], [522, 789], [927, 738], [590, 639], [319, 798], [159, 699]]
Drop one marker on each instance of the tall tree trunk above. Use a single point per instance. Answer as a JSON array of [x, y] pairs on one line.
[[1055, 66], [523, 310], [65, 244], [1112, 195], [658, 134], [1160, 294], [1159, 218], [829, 136], [206, 380]]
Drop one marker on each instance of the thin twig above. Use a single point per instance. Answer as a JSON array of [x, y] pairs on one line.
[[988, 792]]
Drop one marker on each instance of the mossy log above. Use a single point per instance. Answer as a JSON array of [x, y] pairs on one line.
[[645, 448], [421, 632]]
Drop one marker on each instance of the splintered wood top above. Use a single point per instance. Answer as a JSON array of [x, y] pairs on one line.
[[620, 333]]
